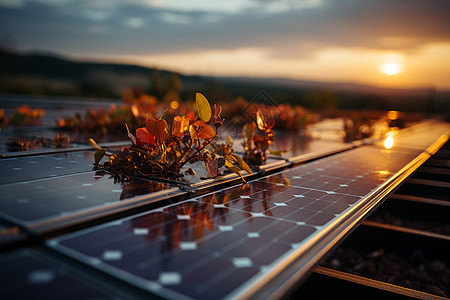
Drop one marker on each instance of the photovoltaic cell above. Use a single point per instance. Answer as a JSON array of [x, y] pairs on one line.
[[44, 166], [10, 234], [218, 244], [35, 201], [294, 147], [28, 133], [420, 136], [24, 274]]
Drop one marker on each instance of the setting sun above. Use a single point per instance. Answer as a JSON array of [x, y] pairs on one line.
[[390, 68]]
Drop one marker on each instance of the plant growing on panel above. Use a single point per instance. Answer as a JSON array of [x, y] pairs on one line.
[[256, 145], [166, 144]]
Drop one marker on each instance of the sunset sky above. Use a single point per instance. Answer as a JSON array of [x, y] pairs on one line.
[[401, 43]]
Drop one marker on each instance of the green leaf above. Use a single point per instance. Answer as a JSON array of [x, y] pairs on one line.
[[242, 164], [203, 107], [233, 168], [99, 155]]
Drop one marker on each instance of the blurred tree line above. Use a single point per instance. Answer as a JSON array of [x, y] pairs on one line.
[[48, 75]]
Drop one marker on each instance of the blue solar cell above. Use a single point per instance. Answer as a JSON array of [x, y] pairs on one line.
[[25, 275], [235, 234], [35, 201]]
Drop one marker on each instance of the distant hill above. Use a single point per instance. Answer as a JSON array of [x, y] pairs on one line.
[[45, 74]]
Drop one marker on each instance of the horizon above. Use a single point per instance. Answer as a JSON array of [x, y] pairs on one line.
[[237, 77], [401, 45]]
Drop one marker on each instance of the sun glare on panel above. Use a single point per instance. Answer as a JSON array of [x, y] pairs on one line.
[[390, 68]]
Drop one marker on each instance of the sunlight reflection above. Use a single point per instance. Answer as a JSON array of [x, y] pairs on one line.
[[389, 142]]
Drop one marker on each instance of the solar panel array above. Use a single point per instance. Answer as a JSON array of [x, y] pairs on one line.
[[211, 246], [189, 239]]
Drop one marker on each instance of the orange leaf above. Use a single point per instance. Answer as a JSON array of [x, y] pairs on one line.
[[176, 126], [143, 137], [180, 124], [206, 131], [190, 115], [157, 128]]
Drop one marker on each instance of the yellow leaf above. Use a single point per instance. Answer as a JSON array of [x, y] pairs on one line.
[[229, 141], [260, 120], [204, 109], [242, 164], [94, 144], [233, 168]]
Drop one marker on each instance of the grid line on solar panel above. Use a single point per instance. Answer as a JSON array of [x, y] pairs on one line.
[[237, 233], [26, 275], [38, 200], [42, 166], [207, 242]]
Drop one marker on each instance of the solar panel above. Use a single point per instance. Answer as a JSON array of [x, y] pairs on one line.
[[244, 240], [42, 166], [227, 242], [60, 199], [10, 234], [25, 274], [295, 147], [420, 136]]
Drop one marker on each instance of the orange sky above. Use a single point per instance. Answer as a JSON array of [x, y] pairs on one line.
[[321, 40], [422, 68]]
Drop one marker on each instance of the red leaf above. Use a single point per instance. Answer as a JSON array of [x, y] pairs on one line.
[[211, 167], [143, 137], [190, 115], [157, 128]]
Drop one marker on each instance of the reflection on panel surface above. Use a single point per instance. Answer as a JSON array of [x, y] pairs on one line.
[[38, 200], [44, 166], [217, 244], [26, 275], [10, 234]]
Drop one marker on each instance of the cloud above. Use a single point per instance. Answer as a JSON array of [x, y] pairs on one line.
[[134, 22], [12, 3], [283, 28]]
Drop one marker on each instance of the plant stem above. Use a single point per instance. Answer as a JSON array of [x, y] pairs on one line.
[[182, 155], [204, 145]]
